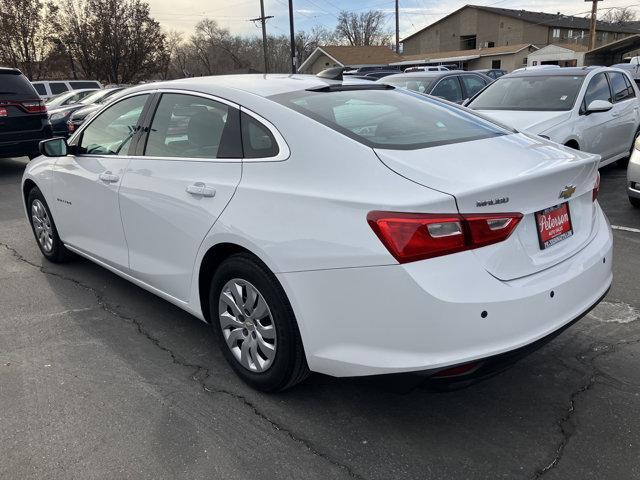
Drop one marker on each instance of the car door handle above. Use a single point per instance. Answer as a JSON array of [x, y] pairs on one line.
[[108, 177], [201, 189]]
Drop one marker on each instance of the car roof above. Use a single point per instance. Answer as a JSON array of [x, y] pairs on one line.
[[9, 70], [429, 74], [554, 72], [263, 85]]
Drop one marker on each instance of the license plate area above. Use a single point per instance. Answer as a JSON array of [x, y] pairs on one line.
[[554, 225]]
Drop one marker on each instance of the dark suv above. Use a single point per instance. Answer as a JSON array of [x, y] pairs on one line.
[[23, 116]]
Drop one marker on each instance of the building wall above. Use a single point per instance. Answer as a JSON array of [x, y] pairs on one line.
[[448, 34], [321, 63], [553, 53], [507, 62]]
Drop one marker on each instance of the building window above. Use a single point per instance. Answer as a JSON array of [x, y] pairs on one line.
[[491, 44], [556, 33], [495, 64], [534, 63], [524, 62], [581, 33], [501, 24], [570, 34], [467, 42]]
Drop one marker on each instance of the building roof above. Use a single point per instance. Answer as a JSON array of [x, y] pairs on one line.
[[549, 19], [462, 55], [352, 56]]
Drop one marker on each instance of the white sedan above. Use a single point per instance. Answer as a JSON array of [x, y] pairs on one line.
[[344, 229], [594, 109]]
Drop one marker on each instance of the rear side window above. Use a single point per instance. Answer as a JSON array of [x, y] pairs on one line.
[[621, 90], [12, 84], [57, 87], [257, 140], [40, 88], [188, 126], [394, 119], [76, 85], [449, 89]]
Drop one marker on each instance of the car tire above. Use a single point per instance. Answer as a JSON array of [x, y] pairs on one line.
[[44, 228], [635, 202], [255, 325]]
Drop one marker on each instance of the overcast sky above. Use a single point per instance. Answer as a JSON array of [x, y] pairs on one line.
[[414, 14]]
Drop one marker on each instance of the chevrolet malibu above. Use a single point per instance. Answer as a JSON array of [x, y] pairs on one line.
[[350, 230]]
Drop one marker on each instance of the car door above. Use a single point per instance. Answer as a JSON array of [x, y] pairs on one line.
[[86, 183], [448, 88], [181, 179], [595, 130], [624, 112]]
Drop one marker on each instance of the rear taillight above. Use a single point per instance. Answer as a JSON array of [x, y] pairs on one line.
[[34, 106], [596, 188], [418, 236]]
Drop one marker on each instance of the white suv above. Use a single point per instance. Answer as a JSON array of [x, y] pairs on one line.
[[48, 89], [594, 109]]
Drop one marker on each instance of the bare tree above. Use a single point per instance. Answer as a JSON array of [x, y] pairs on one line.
[[24, 42], [620, 15], [362, 29]]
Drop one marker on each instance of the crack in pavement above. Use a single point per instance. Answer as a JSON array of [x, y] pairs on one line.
[[200, 373], [567, 428]]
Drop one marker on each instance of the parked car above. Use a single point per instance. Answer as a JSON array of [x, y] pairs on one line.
[[78, 116], [595, 109], [69, 98], [230, 197], [494, 73], [380, 74], [23, 116], [633, 176], [61, 116], [48, 89], [452, 85], [435, 68]]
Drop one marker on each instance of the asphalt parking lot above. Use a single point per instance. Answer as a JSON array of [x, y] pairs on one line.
[[100, 379]]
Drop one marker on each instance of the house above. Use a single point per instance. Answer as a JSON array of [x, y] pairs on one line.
[[564, 54], [475, 26], [507, 58], [347, 56]]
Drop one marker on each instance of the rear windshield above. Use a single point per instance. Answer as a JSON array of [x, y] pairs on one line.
[[84, 84], [12, 84], [99, 96], [548, 93], [393, 119]]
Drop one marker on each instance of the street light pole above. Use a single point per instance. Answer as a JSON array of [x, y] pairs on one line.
[[294, 60]]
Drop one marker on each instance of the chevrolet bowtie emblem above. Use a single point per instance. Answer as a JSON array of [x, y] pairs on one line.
[[567, 191]]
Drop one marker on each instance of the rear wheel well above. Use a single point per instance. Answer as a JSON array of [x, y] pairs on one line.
[[26, 188], [572, 144], [210, 262]]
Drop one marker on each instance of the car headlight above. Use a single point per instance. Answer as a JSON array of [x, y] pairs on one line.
[[58, 116]]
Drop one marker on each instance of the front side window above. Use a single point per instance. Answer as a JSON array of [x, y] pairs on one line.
[[393, 119], [598, 89], [111, 132], [543, 93], [472, 84], [621, 90], [449, 89], [188, 126]]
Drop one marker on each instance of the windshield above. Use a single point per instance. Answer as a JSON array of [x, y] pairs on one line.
[[99, 96], [394, 119], [60, 99], [551, 93], [416, 84]]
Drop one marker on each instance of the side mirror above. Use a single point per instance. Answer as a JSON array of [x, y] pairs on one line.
[[53, 147], [599, 106]]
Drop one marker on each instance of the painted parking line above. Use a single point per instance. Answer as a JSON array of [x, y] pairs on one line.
[[625, 229]]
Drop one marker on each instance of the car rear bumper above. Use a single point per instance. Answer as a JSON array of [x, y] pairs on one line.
[[19, 148], [437, 313]]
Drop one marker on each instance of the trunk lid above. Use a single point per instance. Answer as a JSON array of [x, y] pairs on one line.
[[509, 173]]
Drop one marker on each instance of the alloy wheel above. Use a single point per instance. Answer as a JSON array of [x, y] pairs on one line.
[[247, 325], [42, 225]]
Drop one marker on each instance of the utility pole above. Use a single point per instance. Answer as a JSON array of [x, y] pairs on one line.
[[397, 28], [263, 20], [294, 60], [592, 30]]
